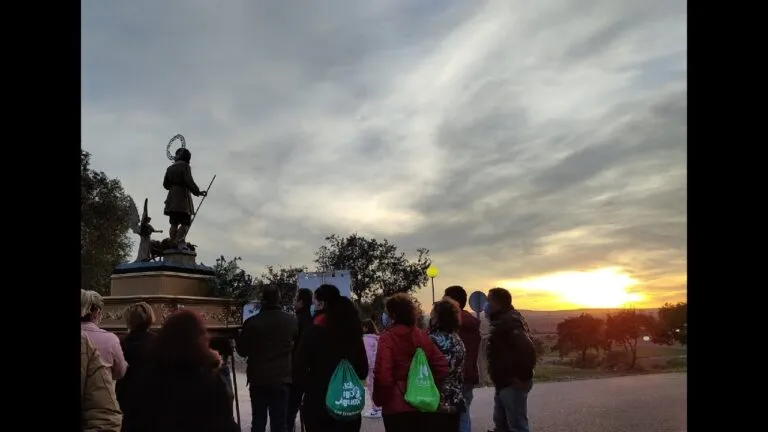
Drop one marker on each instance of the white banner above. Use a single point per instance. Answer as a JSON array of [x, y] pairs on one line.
[[339, 278]]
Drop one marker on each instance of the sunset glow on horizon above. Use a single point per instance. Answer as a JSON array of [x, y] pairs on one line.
[[607, 287]]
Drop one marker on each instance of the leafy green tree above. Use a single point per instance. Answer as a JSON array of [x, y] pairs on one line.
[[673, 324], [104, 223], [230, 281], [580, 334], [284, 278], [377, 267], [626, 327]]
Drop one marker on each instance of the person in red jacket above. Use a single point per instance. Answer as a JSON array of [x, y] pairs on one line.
[[397, 345], [469, 331]]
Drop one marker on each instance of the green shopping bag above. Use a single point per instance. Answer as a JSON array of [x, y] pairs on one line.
[[421, 391], [345, 398]]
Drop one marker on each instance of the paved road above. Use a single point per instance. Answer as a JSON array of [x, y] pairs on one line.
[[644, 403]]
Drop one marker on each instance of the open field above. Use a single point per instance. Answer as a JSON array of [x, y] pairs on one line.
[[650, 359], [555, 372]]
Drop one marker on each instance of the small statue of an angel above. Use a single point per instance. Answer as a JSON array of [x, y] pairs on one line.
[[144, 229]]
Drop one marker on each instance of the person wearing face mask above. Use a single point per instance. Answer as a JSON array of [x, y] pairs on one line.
[[386, 323], [336, 335], [106, 343], [302, 306]]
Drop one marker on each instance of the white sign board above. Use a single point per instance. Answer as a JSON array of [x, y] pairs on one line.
[[250, 310], [339, 278]]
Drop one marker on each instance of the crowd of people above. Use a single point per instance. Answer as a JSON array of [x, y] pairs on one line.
[[177, 379]]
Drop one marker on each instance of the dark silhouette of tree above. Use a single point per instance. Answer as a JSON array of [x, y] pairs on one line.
[[284, 278], [230, 281], [377, 268], [580, 334], [673, 324], [626, 327], [372, 309], [104, 223]]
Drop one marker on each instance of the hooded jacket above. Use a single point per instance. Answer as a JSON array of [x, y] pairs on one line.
[[511, 353]]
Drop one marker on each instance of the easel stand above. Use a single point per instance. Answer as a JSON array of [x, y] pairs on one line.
[[234, 384]]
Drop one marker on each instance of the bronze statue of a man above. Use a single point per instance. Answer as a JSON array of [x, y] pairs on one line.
[[179, 207]]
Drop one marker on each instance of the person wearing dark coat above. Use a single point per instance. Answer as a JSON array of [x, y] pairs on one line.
[[321, 348], [469, 331], [139, 318], [224, 348], [267, 342], [180, 389], [302, 307], [511, 362]]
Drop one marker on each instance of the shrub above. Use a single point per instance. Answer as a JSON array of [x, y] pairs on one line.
[[613, 360], [591, 361]]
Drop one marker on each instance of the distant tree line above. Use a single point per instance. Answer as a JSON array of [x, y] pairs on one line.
[[623, 329]]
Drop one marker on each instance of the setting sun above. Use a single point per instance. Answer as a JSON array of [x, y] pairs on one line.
[[601, 288]]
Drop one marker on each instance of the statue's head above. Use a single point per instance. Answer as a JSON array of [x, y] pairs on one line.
[[183, 154]]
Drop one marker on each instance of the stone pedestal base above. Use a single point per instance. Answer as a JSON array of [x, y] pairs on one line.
[[161, 283], [174, 283], [223, 317], [177, 274]]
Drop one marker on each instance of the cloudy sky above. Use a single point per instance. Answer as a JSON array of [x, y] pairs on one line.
[[539, 146]]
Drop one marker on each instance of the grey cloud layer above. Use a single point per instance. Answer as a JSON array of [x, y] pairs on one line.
[[511, 138]]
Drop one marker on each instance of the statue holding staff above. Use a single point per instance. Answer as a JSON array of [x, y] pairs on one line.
[[181, 186]]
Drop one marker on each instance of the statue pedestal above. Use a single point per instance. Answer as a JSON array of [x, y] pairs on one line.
[[175, 283]]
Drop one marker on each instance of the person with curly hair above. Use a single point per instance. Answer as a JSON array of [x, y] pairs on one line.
[[397, 346], [443, 327]]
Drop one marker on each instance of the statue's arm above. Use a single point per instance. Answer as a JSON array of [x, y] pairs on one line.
[[190, 182], [166, 183]]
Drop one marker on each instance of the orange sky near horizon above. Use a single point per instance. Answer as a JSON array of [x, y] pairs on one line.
[[606, 287]]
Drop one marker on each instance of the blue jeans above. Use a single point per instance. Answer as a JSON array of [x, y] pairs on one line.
[[269, 398], [465, 424], [510, 409]]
